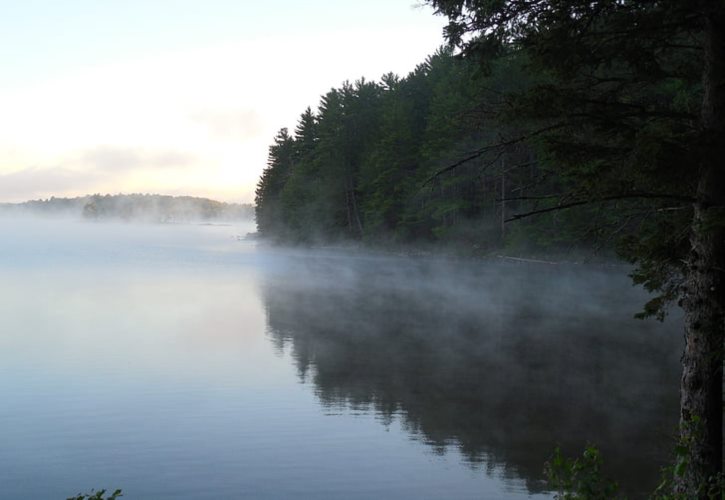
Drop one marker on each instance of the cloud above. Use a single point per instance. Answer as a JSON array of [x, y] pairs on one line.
[[100, 169], [37, 182], [120, 159], [229, 124]]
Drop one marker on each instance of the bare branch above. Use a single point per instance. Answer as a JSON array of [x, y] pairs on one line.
[[578, 203], [492, 147]]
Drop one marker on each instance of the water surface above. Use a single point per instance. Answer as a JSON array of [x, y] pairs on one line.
[[175, 361]]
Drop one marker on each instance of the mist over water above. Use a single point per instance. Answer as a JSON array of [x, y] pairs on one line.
[[180, 361]]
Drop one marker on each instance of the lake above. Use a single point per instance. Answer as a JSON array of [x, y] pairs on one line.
[[181, 361]]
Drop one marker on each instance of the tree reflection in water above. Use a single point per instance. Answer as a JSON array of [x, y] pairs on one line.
[[502, 361]]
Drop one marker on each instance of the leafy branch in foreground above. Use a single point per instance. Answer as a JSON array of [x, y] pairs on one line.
[[97, 495], [711, 489], [580, 478]]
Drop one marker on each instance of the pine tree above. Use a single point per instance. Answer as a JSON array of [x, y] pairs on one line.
[[268, 210]]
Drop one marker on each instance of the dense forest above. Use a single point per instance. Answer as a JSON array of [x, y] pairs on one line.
[[367, 164], [135, 207], [603, 119], [435, 157]]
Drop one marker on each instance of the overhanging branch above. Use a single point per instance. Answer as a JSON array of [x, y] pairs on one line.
[[578, 203], [492, 147]]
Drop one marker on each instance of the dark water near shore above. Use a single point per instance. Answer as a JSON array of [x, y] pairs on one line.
[[178, 362]]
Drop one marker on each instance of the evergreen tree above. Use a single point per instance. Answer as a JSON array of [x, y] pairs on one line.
[[268, 210], [363, 164], [301, 190], [389, 172]]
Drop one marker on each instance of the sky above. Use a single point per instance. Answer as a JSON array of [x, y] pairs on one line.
[[179, 96]]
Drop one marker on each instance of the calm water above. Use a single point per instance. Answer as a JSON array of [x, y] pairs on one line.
[[178, 362]]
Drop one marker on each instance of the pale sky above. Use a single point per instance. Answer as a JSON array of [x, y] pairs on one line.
[[179, 96]]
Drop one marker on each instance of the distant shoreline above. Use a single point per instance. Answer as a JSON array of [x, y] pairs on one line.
[[136, 207]]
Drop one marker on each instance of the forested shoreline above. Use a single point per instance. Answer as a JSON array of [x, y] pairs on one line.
[[134, 207], [432, 159], [604, 120], [366, 165]]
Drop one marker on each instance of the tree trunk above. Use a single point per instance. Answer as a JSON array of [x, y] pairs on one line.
[[356, 214], [503, 200], [701, 399], [354, 223]]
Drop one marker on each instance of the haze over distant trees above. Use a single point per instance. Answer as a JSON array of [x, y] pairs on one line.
[[136, 207]]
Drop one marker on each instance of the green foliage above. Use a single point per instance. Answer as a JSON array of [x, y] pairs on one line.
[[580, 478], [97, 495], [374, 161], [274, 178], [713, 489], [367, 165]]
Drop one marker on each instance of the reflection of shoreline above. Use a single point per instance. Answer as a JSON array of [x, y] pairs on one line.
[[496, 363]]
